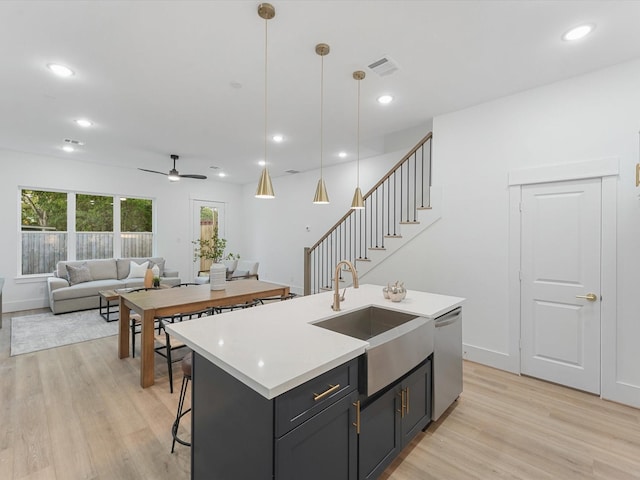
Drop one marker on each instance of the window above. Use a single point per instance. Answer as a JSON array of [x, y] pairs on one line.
[[44, 230], [136, 227], [46, 238], [94, 227]]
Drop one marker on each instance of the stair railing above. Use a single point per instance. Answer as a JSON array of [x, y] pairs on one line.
[[393, 201]]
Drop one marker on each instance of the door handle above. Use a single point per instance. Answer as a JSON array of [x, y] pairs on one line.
[[592, 297]]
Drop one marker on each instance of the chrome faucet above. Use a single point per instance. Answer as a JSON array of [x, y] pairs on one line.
[[336, 293]]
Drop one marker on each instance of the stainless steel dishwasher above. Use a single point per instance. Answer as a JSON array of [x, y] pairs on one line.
[[447, 361]]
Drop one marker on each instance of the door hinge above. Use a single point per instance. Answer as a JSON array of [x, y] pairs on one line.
[[520, 275], [520, 206]]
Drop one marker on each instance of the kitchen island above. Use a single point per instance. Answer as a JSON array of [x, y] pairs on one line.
[[253, 370]]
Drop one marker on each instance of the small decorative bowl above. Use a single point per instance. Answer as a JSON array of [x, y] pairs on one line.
[[396, 296]]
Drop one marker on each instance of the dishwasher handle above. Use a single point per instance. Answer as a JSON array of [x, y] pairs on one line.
[[448, 318]]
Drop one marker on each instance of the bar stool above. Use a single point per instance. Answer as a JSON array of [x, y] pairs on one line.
[[186, 371]]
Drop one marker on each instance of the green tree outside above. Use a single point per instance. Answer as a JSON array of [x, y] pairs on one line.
[[44, 209]]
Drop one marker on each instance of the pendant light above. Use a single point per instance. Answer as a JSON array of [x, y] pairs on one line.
[[321, 196], [358, 202], [265, 189]]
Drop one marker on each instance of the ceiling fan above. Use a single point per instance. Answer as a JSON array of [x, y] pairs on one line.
[[173, 174]]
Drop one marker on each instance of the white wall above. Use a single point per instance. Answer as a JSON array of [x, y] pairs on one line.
[[589, 117], [173, 207]]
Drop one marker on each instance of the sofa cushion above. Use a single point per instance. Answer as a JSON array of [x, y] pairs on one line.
[[78, 274], [123, 265], [86, 289], [100, 269], [137, 271]]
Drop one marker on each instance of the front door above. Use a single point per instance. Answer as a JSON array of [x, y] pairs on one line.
[[560, 283]]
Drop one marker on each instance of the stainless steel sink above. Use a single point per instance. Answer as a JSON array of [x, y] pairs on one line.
[[397, 341]]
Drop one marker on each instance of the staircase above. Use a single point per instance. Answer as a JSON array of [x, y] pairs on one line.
[[397, 208]]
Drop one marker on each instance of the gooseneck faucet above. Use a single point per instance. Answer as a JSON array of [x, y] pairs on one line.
[[336, 293]]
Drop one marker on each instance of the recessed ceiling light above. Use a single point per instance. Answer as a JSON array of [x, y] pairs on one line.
[[342, 154], [83, 122], [222, 174], [68, 148], [578, 32], [262, 163], [60, 70], [278, 138], [385, 99]]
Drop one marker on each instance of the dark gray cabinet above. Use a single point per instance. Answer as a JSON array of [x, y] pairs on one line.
[[390, 420], [307, 432], [324, 447]]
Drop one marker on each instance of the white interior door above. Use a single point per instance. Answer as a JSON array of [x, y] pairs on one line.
[[560, 265], [207, 217]]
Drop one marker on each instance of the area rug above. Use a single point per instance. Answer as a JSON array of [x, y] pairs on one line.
[[46, 330]]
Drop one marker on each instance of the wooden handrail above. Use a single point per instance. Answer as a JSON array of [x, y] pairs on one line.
[[373, 189]]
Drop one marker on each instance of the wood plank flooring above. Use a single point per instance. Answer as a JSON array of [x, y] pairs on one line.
[[78, 412]]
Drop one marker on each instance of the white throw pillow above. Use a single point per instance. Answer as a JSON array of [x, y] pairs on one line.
[[137, 271]]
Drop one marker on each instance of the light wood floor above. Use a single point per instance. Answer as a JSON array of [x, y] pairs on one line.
[[77, 412]]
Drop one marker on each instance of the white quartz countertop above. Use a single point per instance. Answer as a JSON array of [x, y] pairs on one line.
[[275, 347]]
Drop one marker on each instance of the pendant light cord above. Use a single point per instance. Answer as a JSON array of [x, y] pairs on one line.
[[358, 145], [265, 93], [321, 109]]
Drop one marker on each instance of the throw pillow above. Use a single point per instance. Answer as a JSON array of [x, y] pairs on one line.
[[160, 265], [78, 274], [137, 271]]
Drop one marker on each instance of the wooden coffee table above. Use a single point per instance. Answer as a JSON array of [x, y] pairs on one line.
[[109, 303]]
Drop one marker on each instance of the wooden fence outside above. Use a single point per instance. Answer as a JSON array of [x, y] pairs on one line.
[[41, 251]]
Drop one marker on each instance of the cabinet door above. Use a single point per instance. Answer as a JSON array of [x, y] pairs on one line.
[[324, 447], [417, 398], [379, 440]]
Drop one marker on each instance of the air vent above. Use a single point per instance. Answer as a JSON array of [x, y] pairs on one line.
[[292, 171], [214, 167], [384, 66], [73, 142]]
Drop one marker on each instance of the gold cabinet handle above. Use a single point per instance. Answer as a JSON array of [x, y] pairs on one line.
[[357, 423], [329, 391], [407, 405], [403, 404], [592, 297]]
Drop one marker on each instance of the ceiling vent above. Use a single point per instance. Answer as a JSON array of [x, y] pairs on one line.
[[384, 66], [292, 172], [73, 142]]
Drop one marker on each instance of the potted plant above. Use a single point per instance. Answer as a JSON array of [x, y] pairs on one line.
[[209, 248], [213, 249], [156, 282]]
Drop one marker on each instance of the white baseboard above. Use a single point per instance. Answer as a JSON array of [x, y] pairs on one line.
[[491, 358], [18, 306]]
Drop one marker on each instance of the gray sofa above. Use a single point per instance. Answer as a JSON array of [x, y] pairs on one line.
[[101, 275]]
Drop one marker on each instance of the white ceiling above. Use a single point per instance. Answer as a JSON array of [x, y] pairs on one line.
[[156, 77]]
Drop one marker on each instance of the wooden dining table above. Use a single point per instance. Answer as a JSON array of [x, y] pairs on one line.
[[152, 304]]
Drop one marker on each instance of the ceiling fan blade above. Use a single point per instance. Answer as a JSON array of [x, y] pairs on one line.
[[153, 171], [199, 177]]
